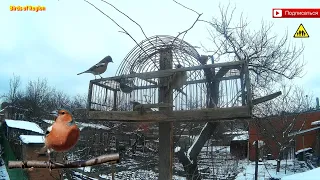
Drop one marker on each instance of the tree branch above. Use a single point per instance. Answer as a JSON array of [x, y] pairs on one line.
[[124, 31], [76, 164], [186, 31]]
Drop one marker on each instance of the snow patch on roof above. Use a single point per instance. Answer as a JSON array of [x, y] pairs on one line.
[[25, 125], [303, 150], [32, 139], [82, 125], [242, 137], [236, 132], [315, 123]]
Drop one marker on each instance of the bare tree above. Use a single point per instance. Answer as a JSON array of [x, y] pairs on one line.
[[270, 60], [280, 117], [14, 90]]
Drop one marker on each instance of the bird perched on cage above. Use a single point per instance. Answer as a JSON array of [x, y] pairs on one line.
[[99, 68], [203, 59], [178, 79], [62, 135], [126, 85]]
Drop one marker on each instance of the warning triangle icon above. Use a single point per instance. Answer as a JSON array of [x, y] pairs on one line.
[[301, 32]]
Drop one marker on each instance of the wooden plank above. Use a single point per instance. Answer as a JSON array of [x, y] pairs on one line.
[[168, 72], [190, 82], [105, 86], [266, 98], [149, 80], [159, 105], [200, 115], [89, 95]]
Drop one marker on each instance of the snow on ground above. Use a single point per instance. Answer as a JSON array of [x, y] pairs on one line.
[[26, 125], [138, 175], [308, 175], [31, 139], [3, 171], [267, 169]]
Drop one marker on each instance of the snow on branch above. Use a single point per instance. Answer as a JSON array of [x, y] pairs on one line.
[[75, 164]]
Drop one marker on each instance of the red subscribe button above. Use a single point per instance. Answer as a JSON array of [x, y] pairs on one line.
[[295, 13]]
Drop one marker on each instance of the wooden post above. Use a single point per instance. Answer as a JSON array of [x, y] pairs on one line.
[[165, 128], [242, 85], [248, 86], [256, 160], [89, 96], [114, 101]]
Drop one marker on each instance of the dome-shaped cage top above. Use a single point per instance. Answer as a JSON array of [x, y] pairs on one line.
[[145, 56], [124, 92]]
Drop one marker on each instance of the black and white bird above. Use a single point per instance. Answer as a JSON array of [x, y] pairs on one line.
[[99, 68], [179, 79]]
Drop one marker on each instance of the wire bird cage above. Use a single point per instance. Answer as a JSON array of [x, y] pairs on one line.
[[213, 91], [118, 93]]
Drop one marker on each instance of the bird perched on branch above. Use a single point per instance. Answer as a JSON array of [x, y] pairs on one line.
[[62, 135], [178, 79], [99, 68]]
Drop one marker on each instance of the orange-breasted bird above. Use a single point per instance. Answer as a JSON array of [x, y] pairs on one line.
[[62, 135]]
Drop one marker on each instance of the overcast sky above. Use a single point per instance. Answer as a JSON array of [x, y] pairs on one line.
[[70, 35]]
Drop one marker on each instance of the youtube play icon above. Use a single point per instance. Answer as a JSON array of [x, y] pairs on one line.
[[277, 13]]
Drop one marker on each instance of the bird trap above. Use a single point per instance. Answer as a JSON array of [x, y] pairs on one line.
[[212, 90]]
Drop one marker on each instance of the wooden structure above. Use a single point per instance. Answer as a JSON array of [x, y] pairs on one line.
[[215, 91]]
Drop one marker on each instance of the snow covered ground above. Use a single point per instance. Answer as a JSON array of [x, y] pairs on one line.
[[267, 169], [214, 162], [308, 175], [3, 171]]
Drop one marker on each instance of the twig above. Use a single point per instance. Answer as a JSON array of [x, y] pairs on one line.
[[76, 164], [123, 30], [130, 20], [186, 31]]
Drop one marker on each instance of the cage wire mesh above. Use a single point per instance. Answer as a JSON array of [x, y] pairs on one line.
[[137, 142]]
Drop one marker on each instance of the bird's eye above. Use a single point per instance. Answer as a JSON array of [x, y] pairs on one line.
[[63, 113]]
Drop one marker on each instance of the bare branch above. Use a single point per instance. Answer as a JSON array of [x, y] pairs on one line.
[[129, 19], [125, 31], [76, 164], [186, 31]]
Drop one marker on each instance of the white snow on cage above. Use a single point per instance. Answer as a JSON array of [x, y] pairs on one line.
[[32, 139], [82, 125], [315, 123], [308, 175], [303, 150], [25, 125], [242, 137]]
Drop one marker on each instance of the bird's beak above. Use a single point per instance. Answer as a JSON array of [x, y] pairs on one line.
[[54, 113]]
